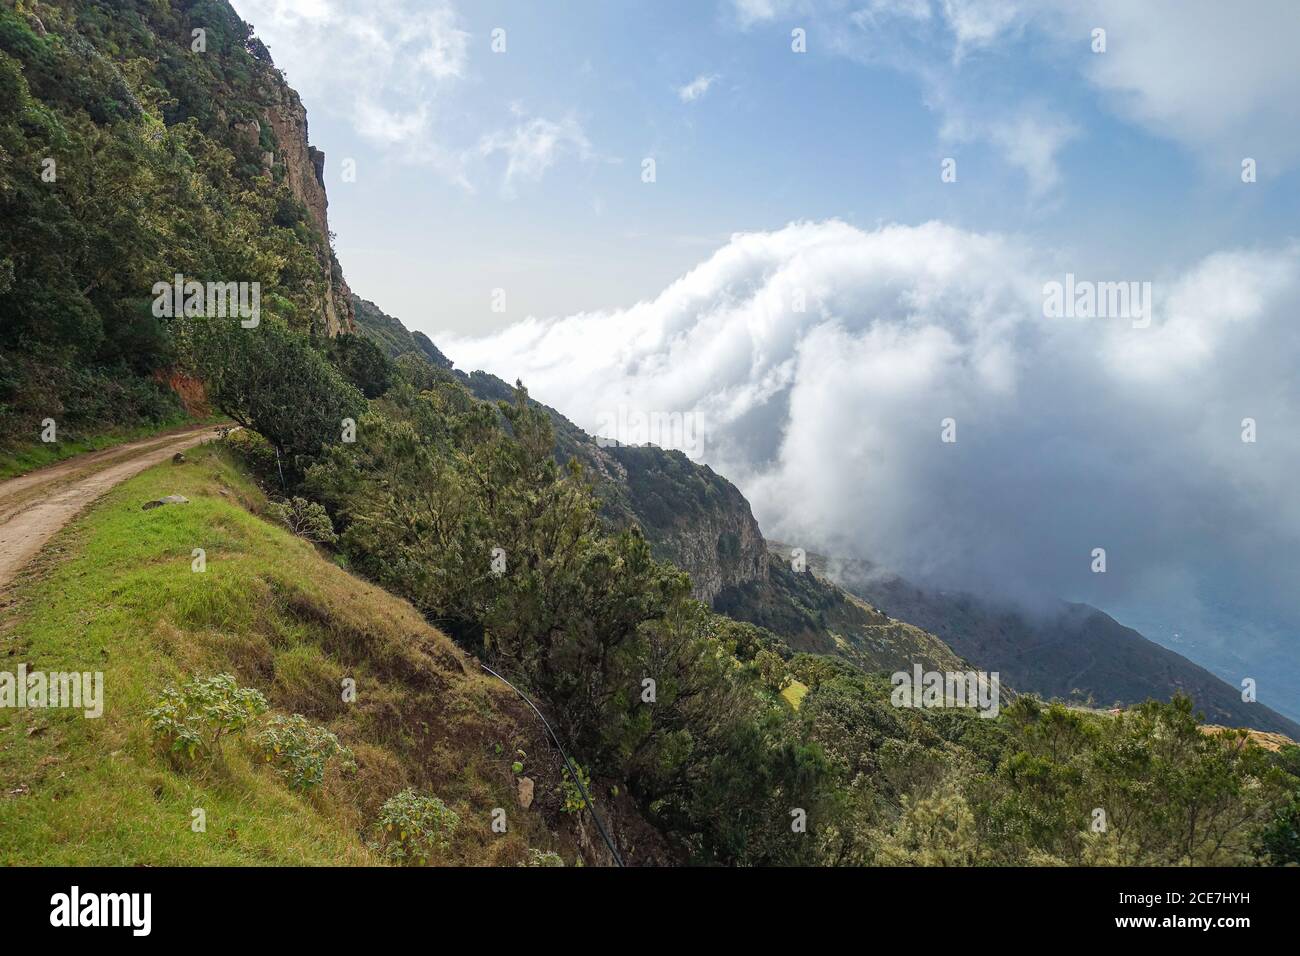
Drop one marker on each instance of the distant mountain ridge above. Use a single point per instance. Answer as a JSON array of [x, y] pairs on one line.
[[1079, 652]]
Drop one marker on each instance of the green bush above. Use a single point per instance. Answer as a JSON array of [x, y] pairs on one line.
[[411, 828], [306, 519], [573, 802], [542, 858], [193, 718], [301, 751], [271, 380]]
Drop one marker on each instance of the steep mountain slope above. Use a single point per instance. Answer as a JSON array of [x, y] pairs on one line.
[[814, 615], [209, 150], [271, 610], [392, 336], [703, 524], [693, 517], [700, 522], [1076, 653]]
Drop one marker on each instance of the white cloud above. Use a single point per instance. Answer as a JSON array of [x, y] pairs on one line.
[[979, 23], [1222, 79], [385, 66], [1032, 143], [697, 87], [534, 146], [758, 11], [1072, 433]]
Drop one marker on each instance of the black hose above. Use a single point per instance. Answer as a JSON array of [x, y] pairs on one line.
[[567, 762]]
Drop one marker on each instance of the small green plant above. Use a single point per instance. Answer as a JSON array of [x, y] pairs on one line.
[[192, 719], [301, 751], [517, 767], [411, 828], [306, 519], [573, 802], [538, 857]]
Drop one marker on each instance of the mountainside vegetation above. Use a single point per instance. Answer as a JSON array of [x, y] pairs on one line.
[[285, 623], [128, 155], [813, 615], [296, 650], [734, 746]]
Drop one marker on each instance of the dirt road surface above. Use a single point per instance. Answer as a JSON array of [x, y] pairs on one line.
[[34, 507]]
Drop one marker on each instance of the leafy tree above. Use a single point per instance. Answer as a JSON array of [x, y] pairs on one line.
[[361, 362], [271, 380]]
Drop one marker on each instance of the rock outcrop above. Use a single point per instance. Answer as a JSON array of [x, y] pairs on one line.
[[693, 518], [304, 170]]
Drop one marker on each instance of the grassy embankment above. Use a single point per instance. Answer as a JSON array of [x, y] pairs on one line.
[[115, 593]]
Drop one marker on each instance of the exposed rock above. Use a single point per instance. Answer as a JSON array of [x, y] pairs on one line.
[[693, 518], [250, 131], [304, 167], [526, 787]]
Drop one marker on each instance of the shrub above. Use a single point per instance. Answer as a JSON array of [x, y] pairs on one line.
[[306, 519], [412, 827], [193, 718], [542, 858], [361, 362], [256, 452], [573, 802], [301, 751]]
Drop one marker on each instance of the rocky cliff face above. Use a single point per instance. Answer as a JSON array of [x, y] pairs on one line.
[[693, 518], [303, 166]]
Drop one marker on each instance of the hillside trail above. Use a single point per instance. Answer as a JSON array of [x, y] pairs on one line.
[[35, 506]]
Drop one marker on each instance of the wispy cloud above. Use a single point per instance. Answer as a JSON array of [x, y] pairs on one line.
[[1030, 140], [532, 147], [386, 68], [1222, 82], [695, 89]]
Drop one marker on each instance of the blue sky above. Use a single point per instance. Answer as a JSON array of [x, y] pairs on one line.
[[814, 178], [855, 128]]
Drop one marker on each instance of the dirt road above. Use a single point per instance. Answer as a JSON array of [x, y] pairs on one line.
[[34, 507]]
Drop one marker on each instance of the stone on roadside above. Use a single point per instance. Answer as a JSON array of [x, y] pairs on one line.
[[169, 500]]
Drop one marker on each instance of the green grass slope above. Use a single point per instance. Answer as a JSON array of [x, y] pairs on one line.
[[117, 594]]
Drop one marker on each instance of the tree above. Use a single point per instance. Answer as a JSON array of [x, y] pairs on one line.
[[361, 362], [270, 380]]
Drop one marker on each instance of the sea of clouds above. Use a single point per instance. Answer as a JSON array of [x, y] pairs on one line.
[[1072, 433]]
